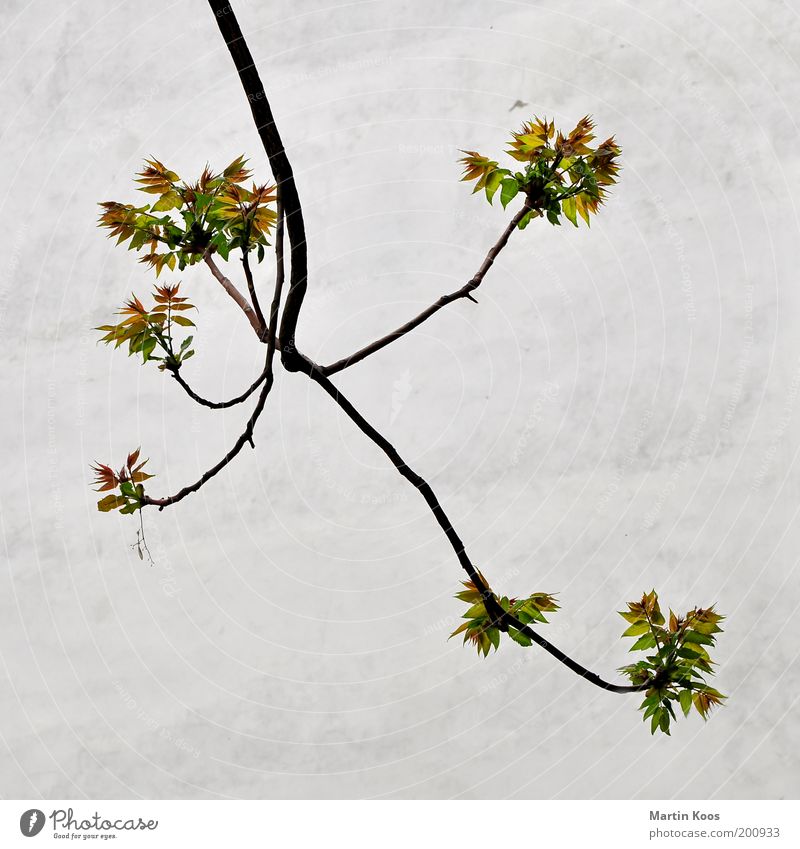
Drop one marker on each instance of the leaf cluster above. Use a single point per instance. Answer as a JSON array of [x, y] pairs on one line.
[[146, 329], [562, 175], [128, 480], [215, 213], [679, 662], [481, 630]]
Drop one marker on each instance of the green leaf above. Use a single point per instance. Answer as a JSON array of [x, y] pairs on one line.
[[201, 201], [687, 653], [526, 219], [519, 637], [492, 184], [569, 209], [508, 191], [701, 639], [686, 701], [636, 629], [220, 242], [170, 200], [147, 348], [655, 721], [110, 502], [646, 641], [183, 321]]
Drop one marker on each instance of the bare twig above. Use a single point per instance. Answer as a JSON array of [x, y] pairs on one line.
[[253, 296], [503, 620], [235, 294], [294, 360], [464, 292], [247, 435], [219, 405]]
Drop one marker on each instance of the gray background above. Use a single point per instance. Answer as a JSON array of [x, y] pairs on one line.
[[619, 412]]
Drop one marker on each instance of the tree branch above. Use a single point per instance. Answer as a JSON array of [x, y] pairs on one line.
[[293, 360], [281, 170], [247, 435], [235, 294], [219, 405], [253, 296], [502, 619], [464, 292]]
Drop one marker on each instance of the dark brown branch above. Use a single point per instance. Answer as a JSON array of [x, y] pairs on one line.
[[247, 435], [280, 274], [293, 360], [281, 170], [219, 405], [503, 620], [464, 292], [253, 296]]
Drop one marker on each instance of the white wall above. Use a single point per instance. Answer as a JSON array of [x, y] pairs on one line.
[[619, 412]]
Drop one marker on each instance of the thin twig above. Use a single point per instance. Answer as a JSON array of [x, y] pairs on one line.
[[247, 435], [234, 293], [464, 292], [253, 296], [502, 620], [219, 405], [294, 360]]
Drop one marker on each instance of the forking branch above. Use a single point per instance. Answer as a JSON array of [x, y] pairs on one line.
[[559, 177]]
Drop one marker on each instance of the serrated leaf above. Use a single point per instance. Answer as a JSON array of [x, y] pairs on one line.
[[570, 210], [646, 641], [636, 629]]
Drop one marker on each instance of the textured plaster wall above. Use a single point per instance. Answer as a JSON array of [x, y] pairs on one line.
[[619, 412]]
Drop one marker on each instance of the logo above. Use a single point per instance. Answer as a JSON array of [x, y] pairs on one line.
[[31, 822]]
